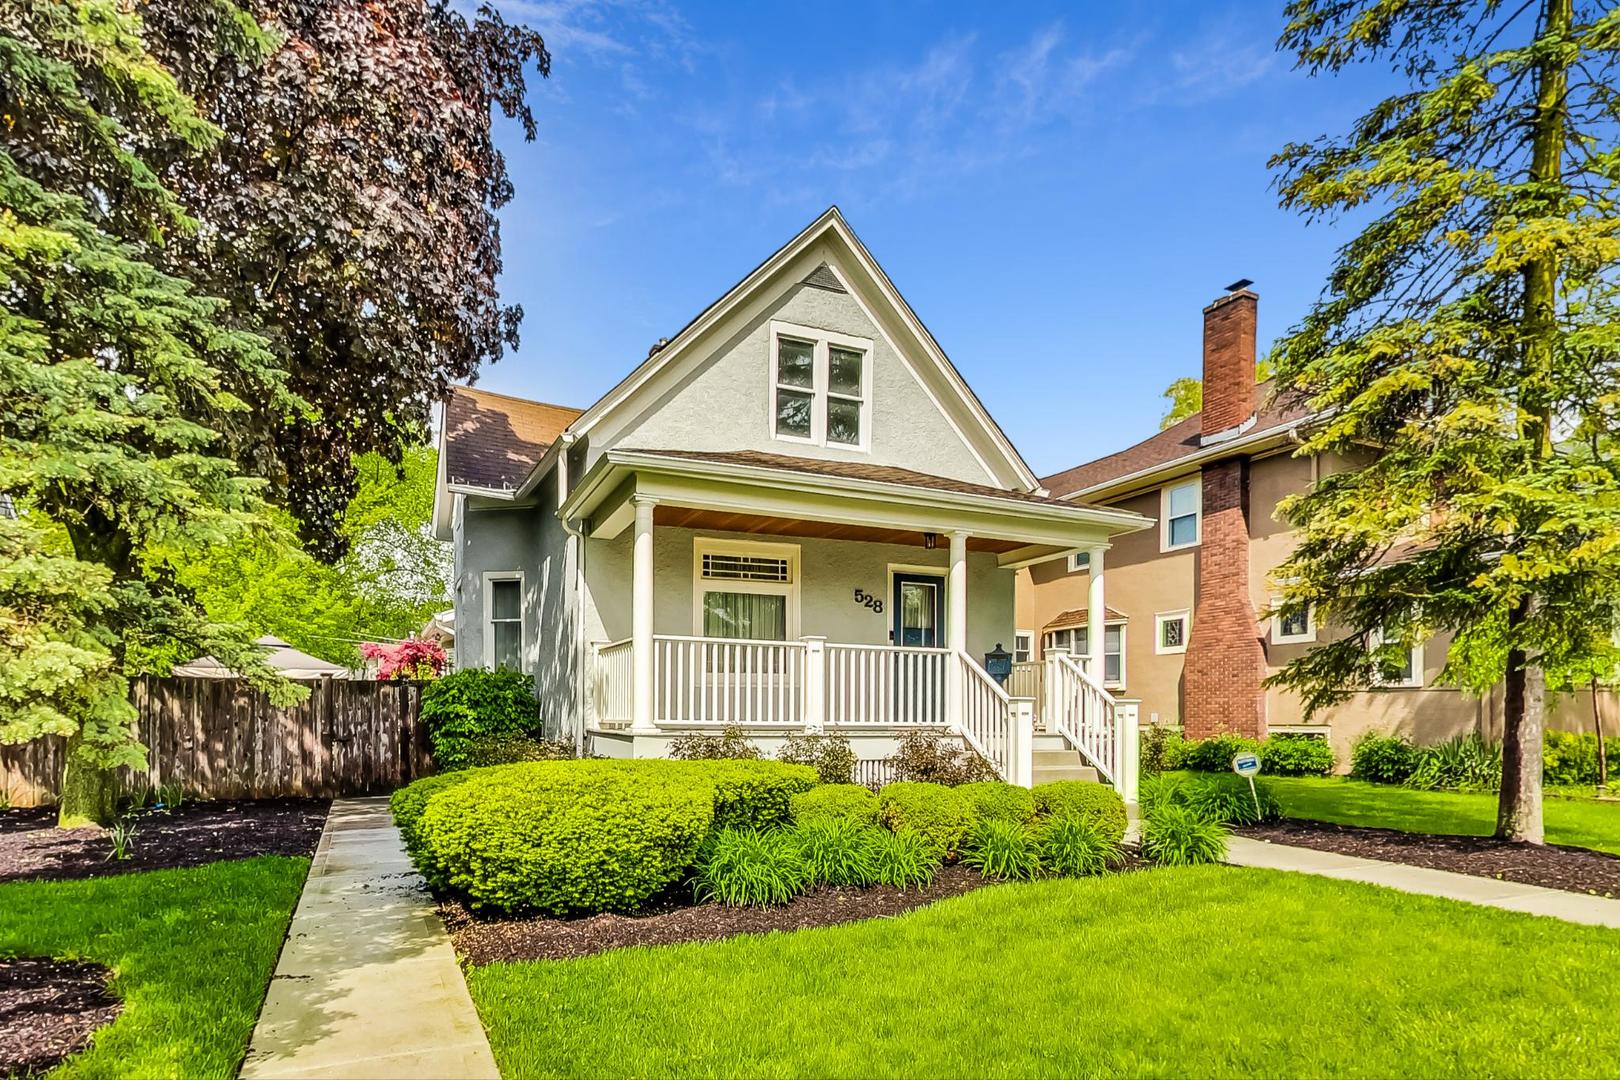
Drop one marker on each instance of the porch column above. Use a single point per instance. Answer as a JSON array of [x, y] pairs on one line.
[[641, 618], [956, 628], [1096, 614]]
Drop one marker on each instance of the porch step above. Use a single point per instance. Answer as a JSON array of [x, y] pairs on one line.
[[1060, 764], [1049, 742]]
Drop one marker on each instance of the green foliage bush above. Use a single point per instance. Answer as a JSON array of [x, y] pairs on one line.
[[929, 757], [1465, 763], [835, 802], [1163, 749], [730, 745], [407, 805], [1073, 845], [483, 750], [936, 813], [1569, 758], [904, 859], [838, 851], [1085, 799], [1004, 849], [471, 704], [993, 800], [1178, 836], [1295, 755], [1382, 759], [1228, 800], [567, 836], [747, 794], [830, 755], [750, 868], [1215, 755], [1162, 791]]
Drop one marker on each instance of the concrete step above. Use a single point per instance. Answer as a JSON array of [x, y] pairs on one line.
[[1049, 742], [1057, 758], [1046, 774]]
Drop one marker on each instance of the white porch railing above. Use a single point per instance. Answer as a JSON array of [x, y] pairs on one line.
[[1078, 707], [987, 718], [612, 686], [1025, 680], [721, 680], [876, 685]]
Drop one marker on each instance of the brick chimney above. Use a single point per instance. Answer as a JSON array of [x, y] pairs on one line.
[[1225, 662], [1229, 357]]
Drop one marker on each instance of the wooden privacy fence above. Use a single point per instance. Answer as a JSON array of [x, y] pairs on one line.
[[222, 739]]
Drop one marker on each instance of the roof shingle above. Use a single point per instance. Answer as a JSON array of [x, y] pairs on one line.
[[494, 441]]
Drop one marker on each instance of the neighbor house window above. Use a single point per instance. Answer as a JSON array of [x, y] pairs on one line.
[[1408, 674], [1170, 631], [821, 387], [1181, 511], [1023, 646], [1079, 560], [1076, 643], [503, 621], [745, 590], [1293, 626]]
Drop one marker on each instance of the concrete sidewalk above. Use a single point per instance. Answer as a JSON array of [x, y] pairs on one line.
[[367, 984], [1489, 892]]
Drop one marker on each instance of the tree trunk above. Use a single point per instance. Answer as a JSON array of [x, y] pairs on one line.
[[89, 794], [1518, 808], [1602, 754]]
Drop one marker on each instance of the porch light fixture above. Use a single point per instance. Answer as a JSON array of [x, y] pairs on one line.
[[930, 540]]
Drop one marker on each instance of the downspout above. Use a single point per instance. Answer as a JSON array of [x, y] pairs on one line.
[[576, 538]]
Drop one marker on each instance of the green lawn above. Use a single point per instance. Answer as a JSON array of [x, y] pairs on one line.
[[191, 951], [1577, 822], [1203, 971]]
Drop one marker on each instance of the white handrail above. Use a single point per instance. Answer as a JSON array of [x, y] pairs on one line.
[[1079, 708], [727, 681], [986, 716], [890, 685], [611, 689]]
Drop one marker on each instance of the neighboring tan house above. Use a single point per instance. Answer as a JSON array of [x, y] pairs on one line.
[[1186, 632], [793, 516]]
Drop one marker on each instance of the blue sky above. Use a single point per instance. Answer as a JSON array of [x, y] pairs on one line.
[[1057, 189]]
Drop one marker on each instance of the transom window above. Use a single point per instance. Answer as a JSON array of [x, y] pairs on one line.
[[1182, 513], [1171, 630], [821, 387], [742, 589], [1077, 643]]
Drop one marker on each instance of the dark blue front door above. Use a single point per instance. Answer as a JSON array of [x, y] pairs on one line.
[[918, 604]]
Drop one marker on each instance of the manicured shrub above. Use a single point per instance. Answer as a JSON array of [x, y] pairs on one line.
[[1465, 763], [838, 851], [903, 859], [1228, 800], [1295, 755], [1000, 848], [929, 757], [1569, 758], [747, 794], [938, 814], [1073, 845], [1084, 798], [730, 745], [1178, 836], [1382, 759], [992, 800], [830, 755], [1163, 749], [567, 836], [472, 704], [407, 805], [835, 802], [750, 868], [509, 749], [1215, 755]]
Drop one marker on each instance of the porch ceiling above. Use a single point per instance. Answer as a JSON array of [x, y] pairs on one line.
[[683, 517]]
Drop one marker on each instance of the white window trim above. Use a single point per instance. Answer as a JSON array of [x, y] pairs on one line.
[[706, 545], [1076, 565], [1124, 648], [1376, 639], [1197, 484], [1029, 650], [1280, 638], [490, 577], [1162, 617], [822, 341]]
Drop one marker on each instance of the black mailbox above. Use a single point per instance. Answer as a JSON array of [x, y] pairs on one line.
[[998, 664]]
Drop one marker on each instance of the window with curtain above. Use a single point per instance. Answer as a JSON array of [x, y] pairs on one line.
[[758, 616]]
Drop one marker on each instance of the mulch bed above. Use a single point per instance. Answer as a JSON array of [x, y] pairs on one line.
[[1571, 869], [31, 846], [493, 939], [48, 1011]]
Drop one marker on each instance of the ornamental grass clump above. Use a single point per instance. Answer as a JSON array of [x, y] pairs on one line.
[[1073, 845], [838, 851], [1179, 836], [1228, 800], [904, 859], [1005, 850], [742, 867]]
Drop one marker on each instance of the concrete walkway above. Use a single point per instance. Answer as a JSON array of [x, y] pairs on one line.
[[1489, 892], [367, 984]]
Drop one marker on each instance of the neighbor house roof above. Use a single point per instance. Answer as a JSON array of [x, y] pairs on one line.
[[1180, 440], [493, 441], [1079, 617], [287, 660]]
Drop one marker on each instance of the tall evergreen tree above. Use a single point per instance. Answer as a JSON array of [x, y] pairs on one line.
[[1465, 351]]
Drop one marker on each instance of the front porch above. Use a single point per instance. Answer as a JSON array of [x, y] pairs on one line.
[[786, 600]]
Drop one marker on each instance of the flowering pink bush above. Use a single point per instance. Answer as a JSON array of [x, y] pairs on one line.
[[412, 658]]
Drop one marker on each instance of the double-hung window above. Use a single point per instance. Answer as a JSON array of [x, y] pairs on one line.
[[1023, 646], [1408, 670], [1182, 513], [821, 387], [503, 621], [745, 590]]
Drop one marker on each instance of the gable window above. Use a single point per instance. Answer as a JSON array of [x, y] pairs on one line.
[[1293, 626], [1170, 631], [821, 387], [1182, 513], [1023, 646], [1077, 644], [503, 621], [746, 590]]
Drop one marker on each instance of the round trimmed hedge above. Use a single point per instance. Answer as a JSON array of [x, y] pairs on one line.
[[1084, 798], [940, 815], [835, 802], [993, 800]]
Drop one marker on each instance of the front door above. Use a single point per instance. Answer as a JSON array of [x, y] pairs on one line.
[[919, 610]]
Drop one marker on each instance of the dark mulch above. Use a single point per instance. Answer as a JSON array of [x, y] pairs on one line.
[[1571, 869], [31, 846], [48, 1011], [491, 939]]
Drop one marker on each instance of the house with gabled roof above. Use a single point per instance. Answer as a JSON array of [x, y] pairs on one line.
[[794, 516]]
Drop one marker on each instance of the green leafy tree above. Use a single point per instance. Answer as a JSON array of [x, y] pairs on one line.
[[1186, 395], [1465, 350], [124, 390]]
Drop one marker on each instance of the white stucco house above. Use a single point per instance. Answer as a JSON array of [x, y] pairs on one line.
[[794, 516]]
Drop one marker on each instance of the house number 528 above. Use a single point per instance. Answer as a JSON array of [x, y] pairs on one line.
[[866, 599]]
